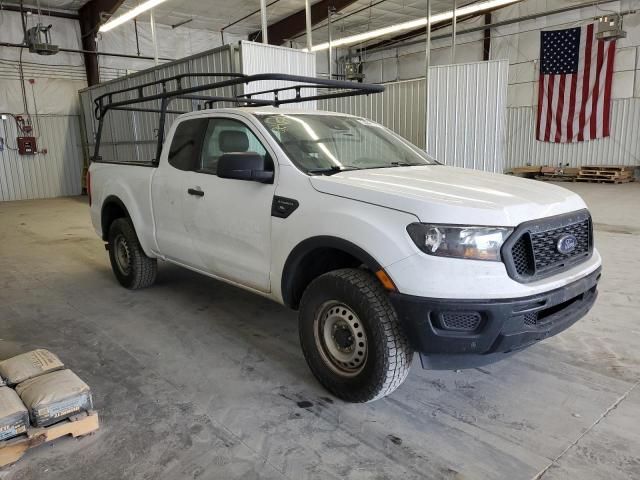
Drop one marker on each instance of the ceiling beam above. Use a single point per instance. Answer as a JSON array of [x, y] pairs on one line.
[[294, 24], [90, 16]]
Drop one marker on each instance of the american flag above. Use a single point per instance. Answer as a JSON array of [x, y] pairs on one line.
[[574, 90]]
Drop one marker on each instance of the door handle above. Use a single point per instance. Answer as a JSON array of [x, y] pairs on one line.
[[196, 192]]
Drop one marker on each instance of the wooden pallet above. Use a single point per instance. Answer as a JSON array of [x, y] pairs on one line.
[[609, 168], [77, 426], [605, 180], [606, 174]]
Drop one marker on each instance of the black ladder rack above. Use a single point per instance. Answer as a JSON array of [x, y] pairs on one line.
[[179, 88]]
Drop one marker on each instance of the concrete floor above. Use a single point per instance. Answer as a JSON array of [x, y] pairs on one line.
[[196, 379]]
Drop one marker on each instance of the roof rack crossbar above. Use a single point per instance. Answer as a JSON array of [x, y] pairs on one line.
[[323, 89]]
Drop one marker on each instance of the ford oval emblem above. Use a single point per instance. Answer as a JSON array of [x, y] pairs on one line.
[[567, 244]]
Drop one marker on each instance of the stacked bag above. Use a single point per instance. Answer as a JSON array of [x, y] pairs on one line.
[[43, 392]]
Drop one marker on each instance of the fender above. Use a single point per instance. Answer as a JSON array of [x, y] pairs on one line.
[[114, 199], [297, 255]]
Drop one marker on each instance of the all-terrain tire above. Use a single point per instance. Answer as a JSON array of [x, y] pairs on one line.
[[134, 270], [388, 354]]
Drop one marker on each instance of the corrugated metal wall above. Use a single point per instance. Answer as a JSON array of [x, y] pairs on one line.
[[621, 148], [260, 58], [54, 174], [131, 136], [466, 113]]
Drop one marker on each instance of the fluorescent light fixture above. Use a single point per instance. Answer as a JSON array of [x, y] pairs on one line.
[[412, 24], [130, 15]]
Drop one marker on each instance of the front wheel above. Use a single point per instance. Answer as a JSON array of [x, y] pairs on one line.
[[351, 337], [129, 263]]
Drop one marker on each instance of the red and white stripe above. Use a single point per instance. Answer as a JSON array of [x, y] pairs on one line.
[[577, 107]]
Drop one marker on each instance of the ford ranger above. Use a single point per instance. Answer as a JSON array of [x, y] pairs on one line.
[[382, 250]]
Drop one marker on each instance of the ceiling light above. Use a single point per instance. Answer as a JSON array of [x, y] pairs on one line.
[[130, 15], [412, 24]]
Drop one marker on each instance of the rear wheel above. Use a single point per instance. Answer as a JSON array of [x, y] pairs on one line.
[[129, 263], [351, 337]]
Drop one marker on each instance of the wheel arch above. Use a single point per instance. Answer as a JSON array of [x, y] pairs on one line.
[[318, 255], [112, 208]]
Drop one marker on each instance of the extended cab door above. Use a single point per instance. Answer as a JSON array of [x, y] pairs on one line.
[[229, 220], [169, 191]]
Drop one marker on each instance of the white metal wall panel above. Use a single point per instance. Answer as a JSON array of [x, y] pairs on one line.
[[54, 174], [258, 58], [621, 148], [467, 112]]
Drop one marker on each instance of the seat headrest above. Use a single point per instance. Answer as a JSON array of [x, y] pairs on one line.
[[233, 141]]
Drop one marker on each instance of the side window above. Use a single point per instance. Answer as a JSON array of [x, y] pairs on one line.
[[184, 153], [228, 136]]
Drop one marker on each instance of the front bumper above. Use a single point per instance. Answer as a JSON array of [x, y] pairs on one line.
[[486, 331]]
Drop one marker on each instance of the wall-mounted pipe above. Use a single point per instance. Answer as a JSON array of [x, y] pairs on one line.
[[42, 11], [104, 54]]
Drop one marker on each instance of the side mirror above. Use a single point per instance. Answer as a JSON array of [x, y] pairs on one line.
[[244, 166]]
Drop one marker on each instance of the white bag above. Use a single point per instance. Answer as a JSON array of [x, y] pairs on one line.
[[29, 365], [54, 396], [14, 417]]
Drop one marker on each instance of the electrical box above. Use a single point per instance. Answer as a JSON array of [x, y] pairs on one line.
[[610, 27], [27, 146]]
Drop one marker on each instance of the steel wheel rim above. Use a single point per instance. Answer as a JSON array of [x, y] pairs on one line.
[[122, 254], [341, 339]]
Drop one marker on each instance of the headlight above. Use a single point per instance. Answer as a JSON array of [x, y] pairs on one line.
[[478, 243]]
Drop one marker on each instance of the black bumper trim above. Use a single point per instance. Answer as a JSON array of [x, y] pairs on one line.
[[503, 328]]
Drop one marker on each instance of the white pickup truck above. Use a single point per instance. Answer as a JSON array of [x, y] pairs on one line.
[[382, 250]]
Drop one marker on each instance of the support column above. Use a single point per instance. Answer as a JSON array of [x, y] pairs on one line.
[[154, 38], [89, 17], [426, 76], [307, 15], [486, 48], [454, 27], [263, 21]]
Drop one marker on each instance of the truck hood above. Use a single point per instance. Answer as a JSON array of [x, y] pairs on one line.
[[439, 194]]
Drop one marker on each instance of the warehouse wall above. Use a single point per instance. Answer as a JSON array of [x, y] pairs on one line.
[[519, 43], [52, 174], [52, 84]]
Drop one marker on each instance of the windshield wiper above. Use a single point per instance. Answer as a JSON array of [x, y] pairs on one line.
[[407, 164], [332, 170]]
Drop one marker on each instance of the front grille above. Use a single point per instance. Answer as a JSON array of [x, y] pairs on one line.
[[523, 256], [532, 251], [545, 252], [461, 321]]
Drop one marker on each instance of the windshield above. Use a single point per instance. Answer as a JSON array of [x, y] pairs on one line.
[[324, 144]]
